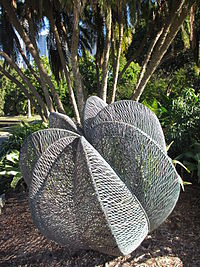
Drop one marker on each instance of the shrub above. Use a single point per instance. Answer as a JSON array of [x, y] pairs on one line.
[[191, 159], [10, 175], [184, 121]]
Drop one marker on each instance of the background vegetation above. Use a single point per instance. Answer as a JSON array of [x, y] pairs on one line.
[[148, 51]]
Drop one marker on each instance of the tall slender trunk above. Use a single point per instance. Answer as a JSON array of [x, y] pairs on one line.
[[116, 70], [146, 60], [194, 38], [161, 48], [45, 79], [25, 59], [98, 76], [30, 46], [106, 55], [65, 67], [38, 108], [14, 20], [74, 56], [113, 47], [192, 26], [136, 54], [26, 81], [98, 65], [177, 5]]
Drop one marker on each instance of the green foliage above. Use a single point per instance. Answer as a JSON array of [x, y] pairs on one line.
[[156, 107], [61, 86], [180, 118], [10, 175], [88, 71], [128, 81], [18, 134], [2, 98], [174, 100], [15, 100], [191, 159], [10, 164], [184, 120]]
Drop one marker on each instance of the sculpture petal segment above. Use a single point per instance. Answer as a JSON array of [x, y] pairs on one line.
[[36, 144], [61, 121], [124, 216], [92, 107], [52, 194], [132, 113], [145, 168]]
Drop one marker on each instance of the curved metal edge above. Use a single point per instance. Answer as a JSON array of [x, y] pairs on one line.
[[93, 106]]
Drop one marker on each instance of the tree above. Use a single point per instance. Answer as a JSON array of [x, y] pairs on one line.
[[74, 26], [175, 16], [116, 62]]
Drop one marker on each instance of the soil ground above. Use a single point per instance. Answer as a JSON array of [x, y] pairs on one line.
[[175, 243]]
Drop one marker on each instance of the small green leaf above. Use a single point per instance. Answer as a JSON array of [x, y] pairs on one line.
[[181, 164], [155, 104], [13, 156], [181, 182], [168, 146], [12, 173], [16, 180], [186, 183], [189, 154]]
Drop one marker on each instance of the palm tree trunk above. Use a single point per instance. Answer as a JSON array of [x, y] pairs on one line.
[[34, 52], [14, 20], [74, 56], [116, 70], [147, 58], [98, 75], [98, 65], [177, 5], [45, 79], [113, 47], [26, 81], [27, 94], [65, 68], [136, 54], [106, 55], [25, 59], [161, 47]]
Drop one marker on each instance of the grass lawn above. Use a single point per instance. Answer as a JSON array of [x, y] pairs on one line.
[[19, 118], [14, 120]]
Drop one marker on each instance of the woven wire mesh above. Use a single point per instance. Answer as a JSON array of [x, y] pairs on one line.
[[105, 194], [92, 107], [61, 121], [132, 113], [142, 165], [34, 146]]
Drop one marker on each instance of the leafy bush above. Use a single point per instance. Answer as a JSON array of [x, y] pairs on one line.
[[2, 99], [15, 100], [18, 134], [10, 164], [177, 106], [184, 121], [156, 107], [191, 159], [10, 174], [128, 80]]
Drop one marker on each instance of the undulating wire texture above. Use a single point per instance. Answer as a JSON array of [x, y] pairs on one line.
[[104, 186]]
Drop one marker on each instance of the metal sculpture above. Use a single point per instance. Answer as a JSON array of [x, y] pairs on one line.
[[104, 189]]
